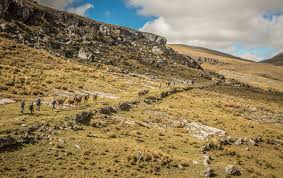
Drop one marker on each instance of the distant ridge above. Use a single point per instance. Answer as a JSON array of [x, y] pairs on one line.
[[209, 51], [276, 60]]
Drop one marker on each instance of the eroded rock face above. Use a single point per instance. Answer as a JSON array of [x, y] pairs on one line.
[[83, 117], [108, 110], [85, 54], [7, 141], [71, 36], [232, 170]]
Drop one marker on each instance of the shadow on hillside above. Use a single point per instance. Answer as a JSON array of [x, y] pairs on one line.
[[248, 93], [12, 148]]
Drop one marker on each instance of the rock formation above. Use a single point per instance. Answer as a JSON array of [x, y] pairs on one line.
[[72, 36]]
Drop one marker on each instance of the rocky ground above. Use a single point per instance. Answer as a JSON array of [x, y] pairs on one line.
[[209, 128], [203, 124]]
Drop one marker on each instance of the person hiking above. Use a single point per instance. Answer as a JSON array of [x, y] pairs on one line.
[[31, 109], [22, 106], [53, 103], [38, 103]]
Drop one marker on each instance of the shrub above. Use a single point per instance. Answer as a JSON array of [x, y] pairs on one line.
[[13, 91], [36, 92], [23, 92], [10, 82], [20, 80], [64, 88], [49, 81], [3, 88]]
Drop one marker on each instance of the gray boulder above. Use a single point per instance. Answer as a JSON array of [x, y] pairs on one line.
[[83, 117], [85, 54], [239, 141], [232, 170], [126, 106], [108, 110], [7, 141]]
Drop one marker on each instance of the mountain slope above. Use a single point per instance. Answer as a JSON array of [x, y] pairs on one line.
[[71, 36], [126, 105], [195, 49], [276, 60], [169, 132], [256, 74], [204, 52]]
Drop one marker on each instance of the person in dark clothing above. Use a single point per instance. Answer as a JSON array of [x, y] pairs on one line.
[[31, 109], [53, 104], [22, 106], [38, 103]]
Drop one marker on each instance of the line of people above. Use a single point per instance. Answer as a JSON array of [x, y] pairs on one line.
[[60, 102], [31, 105]]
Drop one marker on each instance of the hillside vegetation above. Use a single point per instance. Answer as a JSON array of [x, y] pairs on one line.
[[276, 60], [159, 135], [127, 105], [261, 75]]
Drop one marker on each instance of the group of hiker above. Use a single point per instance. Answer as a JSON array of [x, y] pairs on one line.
[[31, 105], [75, 101]]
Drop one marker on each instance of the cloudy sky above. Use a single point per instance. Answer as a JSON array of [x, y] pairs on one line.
[[250, 29]]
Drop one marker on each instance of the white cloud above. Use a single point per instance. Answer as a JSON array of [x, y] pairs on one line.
[[80, 10], [68, 5], [250, 56], [216, 24]]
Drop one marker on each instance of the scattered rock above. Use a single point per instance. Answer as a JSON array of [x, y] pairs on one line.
[[78, 147], [206, 160], [202, 131], [195, 162], [164, 94], [151, 99], [144, 92], [239, 141], [60, 143], [232, 170], [6, 141], [224, 141], [85, 54], [252, 142], [83, 117], [126, 106], [108, 110], [91, 135], [208, 172]]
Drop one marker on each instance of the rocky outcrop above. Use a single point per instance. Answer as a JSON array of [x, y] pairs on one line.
[[83, 117], [108, 110], [6, 141], [232, 170], [71, 36]]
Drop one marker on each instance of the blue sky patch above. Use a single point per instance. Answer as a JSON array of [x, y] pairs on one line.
[[116, 12], [271, 15]]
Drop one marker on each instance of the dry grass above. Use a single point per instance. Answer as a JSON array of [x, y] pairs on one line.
[[261, 75], [148, 140]]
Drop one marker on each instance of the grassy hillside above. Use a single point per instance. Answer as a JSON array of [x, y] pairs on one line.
[[204, 52], [276, 60], [162, 134], [261, 75]]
